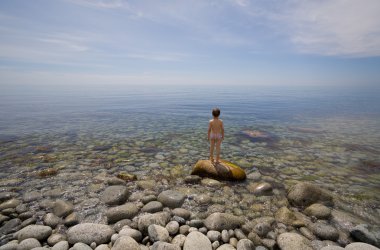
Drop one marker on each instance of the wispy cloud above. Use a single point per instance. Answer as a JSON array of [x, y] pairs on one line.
[[103, 4]]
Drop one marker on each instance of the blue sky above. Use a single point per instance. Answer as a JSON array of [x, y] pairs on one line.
[[258, 42]]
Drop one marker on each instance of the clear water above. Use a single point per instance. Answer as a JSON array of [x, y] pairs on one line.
[[329, 136]]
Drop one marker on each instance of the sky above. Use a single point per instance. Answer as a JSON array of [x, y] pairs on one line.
[[197, 42]]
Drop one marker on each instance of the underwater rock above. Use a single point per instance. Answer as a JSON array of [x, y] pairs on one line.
[[261, 188], [126, 177], [304, 194], [47, 172], [223, 170]]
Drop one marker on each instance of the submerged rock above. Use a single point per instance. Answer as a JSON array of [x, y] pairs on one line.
[[305, 194], [293, 241], [172, 199], [223, 170], [221, 221]]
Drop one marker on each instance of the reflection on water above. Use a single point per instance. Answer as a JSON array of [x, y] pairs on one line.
[[327, 137]]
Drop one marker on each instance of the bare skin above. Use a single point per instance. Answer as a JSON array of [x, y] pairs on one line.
[[215, 136]]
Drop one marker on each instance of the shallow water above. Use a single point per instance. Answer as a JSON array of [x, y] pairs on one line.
[[327, 136]]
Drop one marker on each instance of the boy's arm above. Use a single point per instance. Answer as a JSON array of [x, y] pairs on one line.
[[222, 131], [209, 131]]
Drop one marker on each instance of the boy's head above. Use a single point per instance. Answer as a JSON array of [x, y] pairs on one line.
[[216, 112]]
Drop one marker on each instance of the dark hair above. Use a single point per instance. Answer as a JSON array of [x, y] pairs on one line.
[[216, 112]]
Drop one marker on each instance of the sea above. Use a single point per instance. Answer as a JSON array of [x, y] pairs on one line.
[[326, 135]]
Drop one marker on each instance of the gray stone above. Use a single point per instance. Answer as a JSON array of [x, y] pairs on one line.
[[4, 196], [215, 245], [360, 246], [3, 218], [28, 244], [305, 194], [12, 203], [55, 238], [225, 236], [62, 208], [181, 212], [152, 207], [51, 220], [179, 240], [121, 224], [233, 241], [159, 245], [269, 243], [293, 241], [324, 231], [32, 196], [284, 215], [81, 246], [102, 247], [261, 188], [184, 229], [161, 218], [71, 220], [361, 233], [172, 199], [135, 234], [197, 241], [239, 234], [125, 242], [158, 233], [318, 210], [245, 244], [115, 195], [10, 245], [226, 247], [62, 245], [192, 179], [126, 211], [221, 221], [10, 226], [172, 227], [214, 235], [307, 233], [89, 232], [332, 248], [28, 222], [262, 229], [196, 223], [148, 198], [38, 232]]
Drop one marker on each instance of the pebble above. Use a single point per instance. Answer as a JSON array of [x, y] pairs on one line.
[[28, 244], [55, 238], [62, 245], [126, 211], [152, 207], [62, 208], [184, 229], [171, 198], [164, 246], [214, 235], [161, 218], [158, 233], [115, 195], [71, 220], [102, 247], [226, 247], [179, 240], [81, 246], [135, 234], [293, 241], [225, 236], [181, 212], [245, 244], [51, 220], [32, 196], [221, 221], [324, 231], [89, 232], [172, 227], [318, 210], [126, 242], [38, 232], [196, 241], [12, 203]]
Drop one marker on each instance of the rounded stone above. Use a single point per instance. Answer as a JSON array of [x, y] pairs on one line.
[[261, 188], [55, 238], [62, 245], [172, 199], [214, 235], [305, 194], [81, 246], [38, 232], [196, 241], [126, 211], [225, 236], [324, 231], [158, 233], [172, 227], [126, 242], [62, 208], [51, 220], [179, 240], [159, 245], [293, 241], [161, 218], [102, 247], [226, 247], [332, 248], [152, 207], [361, 246], [318, 210], [115, 195], [89, 232], [284, 215], [245, 244], [12, 203], [221, 221], [28, 244], [135, 234], [262, 229], [181, 212]]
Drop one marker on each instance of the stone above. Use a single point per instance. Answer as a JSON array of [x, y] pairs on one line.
[[158, 233], [102, 247], [332, 248], [126, 211], [361, 246], [62, 245], [125, 242], [261, 188], [38, 232], [172, 199], [181, 212], [215, 245], [262, 229], [318, 210], [159, 245], [10, 226], [115, 195], [71, 220], [293, 241], [192, 179], [226, 247], [239, 234], [161, 218], [62, 208], [32, 196], [89, 232], [135, 234], [214, 235], [184, 229], [305, 194], [307, 233], [55, 238], [224, 170], [284, 215], [361, 233], [196, 223], [10, 245], [245, 244], [196, 241], [28, 244], [51, 220], [179, 240], [126, 176], [81, 246], [172, 227], [12, 203], [225, 236], [152, 207], [221, 221], [324, 231]]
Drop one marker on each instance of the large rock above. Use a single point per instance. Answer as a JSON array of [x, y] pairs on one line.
[[172, 199], [324, 231], [196, 241], [90, 232], [124, 243], [161, 219], [293, 241], [28, 244], [361, 246], [38, 232], [126, 211], [361, 233], [305, 194], [115, 195], [221, 221], [224, 170]]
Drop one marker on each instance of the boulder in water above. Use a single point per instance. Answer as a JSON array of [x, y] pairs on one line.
[[223, 170]]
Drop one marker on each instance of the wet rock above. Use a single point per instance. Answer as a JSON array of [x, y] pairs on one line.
[[284, 215], [307, 233], [318, 210], [181, 212], [4, 196], [161, 218], [324, 231], [146, 184], [261, 188], [192, 179], [172, 227], [152, 207], [196, 223], [196, 241], [89, 232], [10, 245], [172, 199], [10, 226], [361, 233], [345, 221], [158, 233], [221, 221], [47, 172], [71, 220], [135, 234], [224, 170], [28, 222], [159, 245], [12, 203], [126, 211], [361, 246], [115, 195], [126, 176], [28, 244], [51, 220], [293, 241], [32, 196], [211, 182], [305, 194], [81, 246], [262, 229], [245, 244], [203, 199], [62, 208], [148, 198], [38, 232], [2, 219], [125, 242]]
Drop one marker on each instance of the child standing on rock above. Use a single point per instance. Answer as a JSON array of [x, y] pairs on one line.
[[215, 135]]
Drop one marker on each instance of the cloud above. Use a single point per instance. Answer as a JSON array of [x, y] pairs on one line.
[[101, 4]]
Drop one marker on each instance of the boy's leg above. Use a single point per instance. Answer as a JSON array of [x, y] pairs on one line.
[[218, 142], [212, 144]]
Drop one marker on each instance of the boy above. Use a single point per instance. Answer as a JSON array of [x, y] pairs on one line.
[[215, 134]]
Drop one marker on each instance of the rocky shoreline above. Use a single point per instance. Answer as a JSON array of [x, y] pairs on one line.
[[307, 217]]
